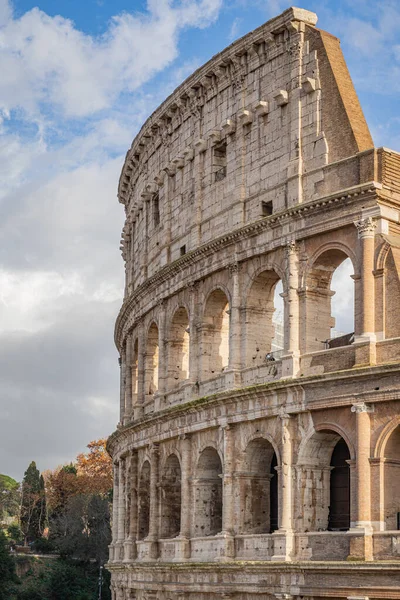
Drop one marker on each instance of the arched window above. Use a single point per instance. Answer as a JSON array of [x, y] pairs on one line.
[[208, 494], [264, 318], [144, 501], [259, 490], [152, 356], [171, 498], [329, 303], [178, 348], [215, 335], [392, 481], [324, 483]]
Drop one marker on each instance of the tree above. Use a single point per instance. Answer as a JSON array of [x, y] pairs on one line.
[[7, 569], [96, 467], [10, 497], [33, 503]]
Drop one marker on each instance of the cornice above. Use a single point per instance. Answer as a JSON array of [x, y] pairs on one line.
[[194, 256], [253, 393]]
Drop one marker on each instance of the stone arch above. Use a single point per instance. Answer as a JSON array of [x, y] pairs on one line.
[[259, 312], [255, 435], [379, 451], [317, 321], [178, 347], [152, 360], [258, 486], [144, 501], [208, 493], [323, 480], [391, 487], [171, 484], [215, 333]]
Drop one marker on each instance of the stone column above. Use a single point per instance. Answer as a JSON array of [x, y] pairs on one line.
[[291, 358], [132, 486], [128, 378], [362, 548], [163, 350], [186, 503], [121, 508], [112, 547], [154, 501], [140, 370], [227, 492], [234, 324], [283, 545], [122, 380], [193, 333], [366, 234]]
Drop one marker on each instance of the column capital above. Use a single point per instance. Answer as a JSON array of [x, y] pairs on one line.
[[234, 268], [365, 227], [362, 407], [192, 286], [291, 248]]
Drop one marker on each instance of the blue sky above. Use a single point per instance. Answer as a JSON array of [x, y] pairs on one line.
[[77, 81]]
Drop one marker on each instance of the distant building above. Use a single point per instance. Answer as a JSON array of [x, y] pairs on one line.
[[235, 476]]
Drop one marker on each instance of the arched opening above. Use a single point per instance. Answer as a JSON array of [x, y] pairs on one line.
[[339, 505], [259, 489], [323, 475], [144, 501], [329, 303], [215, 335], [178, 348], [135, 357], [392, 481], [392, 296], [152, 357], [171, 498], [208, 494], [264, 318]]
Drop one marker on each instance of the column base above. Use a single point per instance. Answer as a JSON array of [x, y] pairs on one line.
[[183, 549], [361, 543], [129, 550], [233, 377], [229, 547], [283, 545], [118, 552], [290, 365], [365, 350]]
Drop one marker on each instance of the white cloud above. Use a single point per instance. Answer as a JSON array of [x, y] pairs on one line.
[[47, 59]]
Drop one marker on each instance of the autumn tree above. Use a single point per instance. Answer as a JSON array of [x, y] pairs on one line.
[[33, 504], [96, 468]]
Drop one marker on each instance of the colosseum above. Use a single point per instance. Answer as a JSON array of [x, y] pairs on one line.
[[257, 459]]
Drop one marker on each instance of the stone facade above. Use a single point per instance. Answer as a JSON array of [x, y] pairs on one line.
[[242, 473]]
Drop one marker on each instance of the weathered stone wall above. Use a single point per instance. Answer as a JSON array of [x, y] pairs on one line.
[[240, 471]]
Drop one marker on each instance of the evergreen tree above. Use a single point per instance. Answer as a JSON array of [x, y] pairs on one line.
[[7, 569], [33, 504]]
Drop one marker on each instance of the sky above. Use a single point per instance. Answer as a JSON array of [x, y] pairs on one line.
[[77, 81]]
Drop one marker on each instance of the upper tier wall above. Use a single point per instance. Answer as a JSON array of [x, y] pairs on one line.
[[250, 133]]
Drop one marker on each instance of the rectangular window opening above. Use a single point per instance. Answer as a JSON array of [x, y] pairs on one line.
[[183, 250], [156, 210], [266, 208], [219, 161]]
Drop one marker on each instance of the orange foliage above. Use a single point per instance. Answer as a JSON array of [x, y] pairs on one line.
[[91, 474]]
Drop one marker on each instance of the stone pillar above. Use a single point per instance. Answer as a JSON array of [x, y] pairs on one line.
[[186, 500], [132, 488], [283, 545], [162, 356], [193, 333], [121, 508], [362, 548], [140, 370], [234, 324], [128, 378], [154, 501], [227, 492], [291, 358], [122, 380], [112, 547], [366, 234]]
